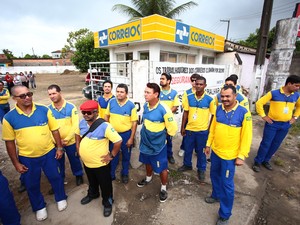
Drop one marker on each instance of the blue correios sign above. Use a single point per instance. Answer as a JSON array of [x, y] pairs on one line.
[[182, 33]]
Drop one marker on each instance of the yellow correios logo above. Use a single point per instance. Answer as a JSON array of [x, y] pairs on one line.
[[125, 33]]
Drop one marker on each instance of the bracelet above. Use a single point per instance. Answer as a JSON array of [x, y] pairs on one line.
[[60, 148], [111, 155]]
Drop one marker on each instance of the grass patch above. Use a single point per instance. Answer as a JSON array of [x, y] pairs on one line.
[[175, 175], [279, 162], [295, 129], [291, 192]]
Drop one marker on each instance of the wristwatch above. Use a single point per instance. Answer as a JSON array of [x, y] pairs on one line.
[[60, 148]]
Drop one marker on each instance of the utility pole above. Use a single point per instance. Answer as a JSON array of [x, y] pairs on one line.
[[228, 24], [264, 33], [258, 68]]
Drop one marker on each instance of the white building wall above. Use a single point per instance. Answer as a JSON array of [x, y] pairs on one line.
[[37, 69]]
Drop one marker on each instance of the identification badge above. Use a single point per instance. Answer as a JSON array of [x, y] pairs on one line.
[[285, 110], [195, 116]]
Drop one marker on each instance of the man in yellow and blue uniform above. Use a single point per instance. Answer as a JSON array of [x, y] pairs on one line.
[[4, 97], [121, 113], [197, 113], [67, 117], [284, 110], [8, 210], [230, 139], [93, 148], [158, 121], [104, 99], [30, 126], [169, 97], [243, 100], [184, 101]]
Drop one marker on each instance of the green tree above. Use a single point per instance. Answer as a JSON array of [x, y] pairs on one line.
[[46, 56], [149, 7], [85, 52], [8, 54], [252, 40]]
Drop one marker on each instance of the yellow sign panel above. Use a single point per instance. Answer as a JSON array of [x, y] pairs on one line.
[[96, 39], [125, 33], [159, 28], [202, 38]]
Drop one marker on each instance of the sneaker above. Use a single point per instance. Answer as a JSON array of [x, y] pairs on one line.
[[62, 205], [142, 183], [171, 160], [201, 175], [41, 214], [107, 210], [222, 221], [22, 188], [267, 165], [124, 179], [181, 153], [184, 168], [211, 200], [256, 167], [79, 180], [163, 195]]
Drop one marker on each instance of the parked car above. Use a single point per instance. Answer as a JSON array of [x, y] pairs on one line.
[[87, 91]]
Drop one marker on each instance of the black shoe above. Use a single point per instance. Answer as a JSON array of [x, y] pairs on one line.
[[107, 211], [222, 221], [267, 165], [124, 179], [50, 192], [142, 183], [163, 195], [87, 199], [171, 160], [211, 200], [22, 188], [256, 167], [201, 175], [184, 168], [79, 180]]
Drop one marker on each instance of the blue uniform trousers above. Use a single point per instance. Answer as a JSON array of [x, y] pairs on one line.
[[272, 137], [126, 154], [169, 146], [32, 178], [74, 160], [195, 140], [222, 179], [9, 214], [4, 108]]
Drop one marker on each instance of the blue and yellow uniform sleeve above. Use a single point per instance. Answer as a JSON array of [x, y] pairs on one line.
[[184, 100], [4, 96], [111, 134], [261, 102], [52, 123], [75, 124], [176, 101], [246, 136], [170, 122], [297, 110]]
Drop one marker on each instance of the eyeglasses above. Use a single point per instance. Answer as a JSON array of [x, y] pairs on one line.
[[23, 96], [87, 112], [193, 80]]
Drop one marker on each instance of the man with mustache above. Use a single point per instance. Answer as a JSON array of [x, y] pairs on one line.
[[230, 138]]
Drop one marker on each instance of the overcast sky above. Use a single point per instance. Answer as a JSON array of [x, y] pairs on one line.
[[43, 26]]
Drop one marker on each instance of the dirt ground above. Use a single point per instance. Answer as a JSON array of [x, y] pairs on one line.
[[280, 203]]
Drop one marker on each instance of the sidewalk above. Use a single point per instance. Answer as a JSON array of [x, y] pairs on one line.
[[135, 206]]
